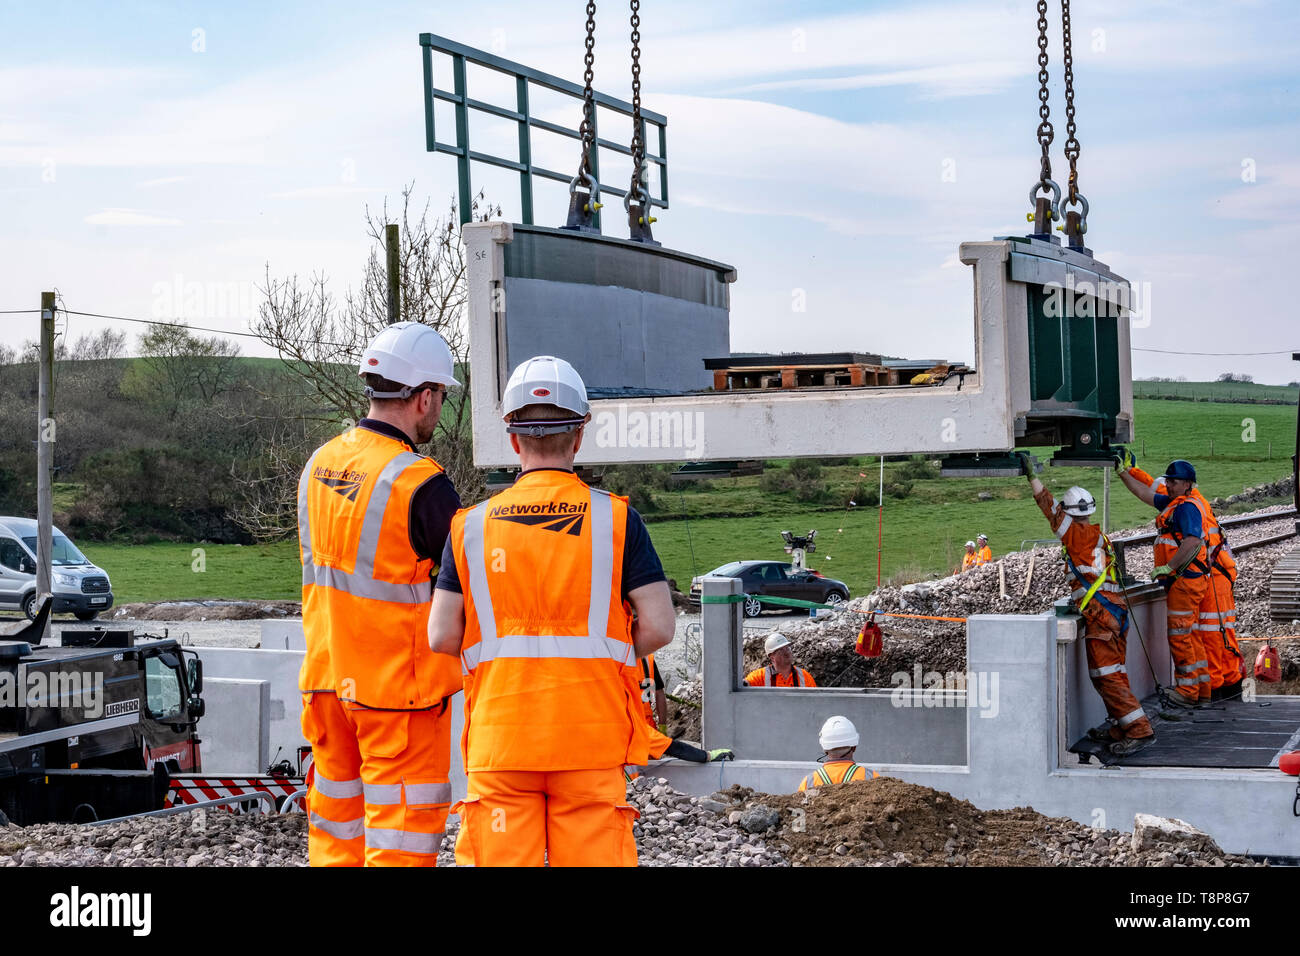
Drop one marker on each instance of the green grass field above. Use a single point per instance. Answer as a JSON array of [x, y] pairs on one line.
[[696, 529], [924, 533], [1216, 391], [166, 571]]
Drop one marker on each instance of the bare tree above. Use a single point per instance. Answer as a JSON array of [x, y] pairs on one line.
[[186, 366], [321, 340], [104, 344]]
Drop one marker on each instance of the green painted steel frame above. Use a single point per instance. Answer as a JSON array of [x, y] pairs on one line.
[[524, 76]]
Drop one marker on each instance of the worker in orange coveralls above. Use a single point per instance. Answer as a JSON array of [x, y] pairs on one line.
[[1098, 596], [550, 593], [1217, 620], [1182, 567]]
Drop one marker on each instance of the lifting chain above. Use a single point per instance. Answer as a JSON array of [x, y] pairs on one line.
[[636, 189], [584, 189], [1045, 132], [1045, 210], [1072, 148], [587, 131]]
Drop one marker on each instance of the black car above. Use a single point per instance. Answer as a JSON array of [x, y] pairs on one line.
[[775, 579]]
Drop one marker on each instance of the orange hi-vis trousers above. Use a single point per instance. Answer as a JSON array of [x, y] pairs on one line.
[[560, 817], [1107, 652], [379, 792], [1220, 607], [1182, 615]]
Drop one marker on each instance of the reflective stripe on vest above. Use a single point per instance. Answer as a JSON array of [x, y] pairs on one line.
[[361, 582], [595, 644]]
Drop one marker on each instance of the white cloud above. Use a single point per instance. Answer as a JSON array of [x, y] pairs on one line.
[[165, 181], [117, 216]]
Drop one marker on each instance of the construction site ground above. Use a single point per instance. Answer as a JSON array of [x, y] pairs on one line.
[[882, 822]]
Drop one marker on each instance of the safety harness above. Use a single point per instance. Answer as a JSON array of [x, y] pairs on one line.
[[1120, 614]]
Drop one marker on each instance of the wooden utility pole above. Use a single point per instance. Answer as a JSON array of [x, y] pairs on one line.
[[393, 246], [45, 451]]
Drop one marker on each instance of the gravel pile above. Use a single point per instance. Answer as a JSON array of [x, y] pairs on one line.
[[887, 822], [199, 838], [676, 829]]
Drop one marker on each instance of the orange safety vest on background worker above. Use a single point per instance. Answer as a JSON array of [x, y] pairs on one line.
[[836, 771], [985, 554], [374, 693], [1182, 606], [768, 677], [552, 696], [1217, 615], [970, 559], [1105, 616]]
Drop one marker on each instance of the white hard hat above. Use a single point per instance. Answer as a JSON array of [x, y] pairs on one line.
[[1078, 502], [775, 641], [984, 536], [970, 544], [837, 732], [409, 353], [545, 380]]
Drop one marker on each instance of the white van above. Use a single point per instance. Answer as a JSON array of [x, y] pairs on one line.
[[79, 587]]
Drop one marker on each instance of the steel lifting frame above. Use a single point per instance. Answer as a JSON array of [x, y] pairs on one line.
[[524, 77]]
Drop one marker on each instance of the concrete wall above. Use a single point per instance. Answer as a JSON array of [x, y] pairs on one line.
[[765, 723], [236, 730], [1015, 757], [286, 635], [279, 669], [617, 338]]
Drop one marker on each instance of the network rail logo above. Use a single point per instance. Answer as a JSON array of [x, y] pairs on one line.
[[345, 481], [557, 516]]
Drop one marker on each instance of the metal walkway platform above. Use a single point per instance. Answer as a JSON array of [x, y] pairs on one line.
[[1229, 735]]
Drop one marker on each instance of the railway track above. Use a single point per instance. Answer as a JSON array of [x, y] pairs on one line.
[[1228, 524]]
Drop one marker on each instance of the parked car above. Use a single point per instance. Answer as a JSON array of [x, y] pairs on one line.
[[77, 585], [776, 579]]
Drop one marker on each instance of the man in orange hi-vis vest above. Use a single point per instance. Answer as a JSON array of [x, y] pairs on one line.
[[373, 517], [550, 594], [1217, 620], [1098, 595], [1182, 566], [839, 739]]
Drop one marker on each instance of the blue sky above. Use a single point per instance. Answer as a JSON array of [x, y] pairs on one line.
[[807, 146]]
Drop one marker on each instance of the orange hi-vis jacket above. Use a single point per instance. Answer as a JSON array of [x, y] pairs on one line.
[[1167, 543], [836, 771], [551, 674], [1086, 548], [768, 677], [970, 559], [1216, 545], [365, 592], [985, 553]]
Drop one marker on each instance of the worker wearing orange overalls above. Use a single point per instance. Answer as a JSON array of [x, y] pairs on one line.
[[1217, 617], [983, 550], [971, 558], [780, 671], [373, 517], [550, 593], [1098, 596], [839, 740], [1182, 566]]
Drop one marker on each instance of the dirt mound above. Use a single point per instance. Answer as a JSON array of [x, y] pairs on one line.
[[205, 609], [886, 822]]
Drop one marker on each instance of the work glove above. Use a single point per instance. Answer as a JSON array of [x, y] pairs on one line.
[[1162, 570], [722, 753], [1026, 464], [1124, 459]]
